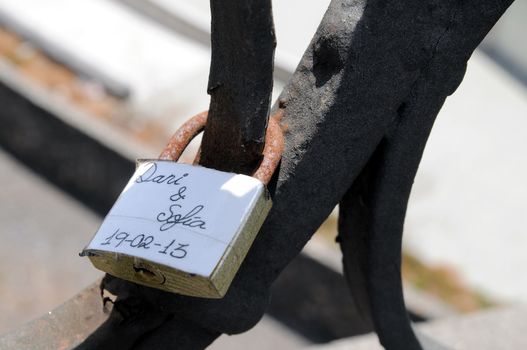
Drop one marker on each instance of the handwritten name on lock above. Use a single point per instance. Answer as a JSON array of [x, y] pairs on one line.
[[178, 215]]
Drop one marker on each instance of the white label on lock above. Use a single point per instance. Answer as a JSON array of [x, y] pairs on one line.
[[178, 215]]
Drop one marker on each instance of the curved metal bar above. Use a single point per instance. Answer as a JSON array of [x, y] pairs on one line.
[[272, 153], [182, 137]]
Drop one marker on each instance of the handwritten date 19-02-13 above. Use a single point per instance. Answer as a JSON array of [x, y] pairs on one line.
[[173, 248]]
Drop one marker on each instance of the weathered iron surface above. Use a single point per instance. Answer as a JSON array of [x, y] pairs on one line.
[[408, 86], [240, 84]]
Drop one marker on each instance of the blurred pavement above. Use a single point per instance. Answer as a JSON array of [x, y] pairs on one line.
[[42, 231]]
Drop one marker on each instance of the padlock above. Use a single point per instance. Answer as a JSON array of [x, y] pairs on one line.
[[185, 228]]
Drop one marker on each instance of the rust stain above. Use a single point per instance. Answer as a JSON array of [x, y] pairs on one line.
[[182, 137], [272, 153]]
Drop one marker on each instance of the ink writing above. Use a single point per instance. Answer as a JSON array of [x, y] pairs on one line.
[[120, 238], [176, 215], [151, 175]]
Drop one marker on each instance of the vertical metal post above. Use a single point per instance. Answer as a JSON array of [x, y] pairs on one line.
[[240, 84]]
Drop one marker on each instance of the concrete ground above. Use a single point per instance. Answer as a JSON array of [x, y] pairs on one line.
[[42, 231], [489, 330]]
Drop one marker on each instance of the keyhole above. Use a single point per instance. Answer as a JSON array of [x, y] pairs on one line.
[[147, 275]]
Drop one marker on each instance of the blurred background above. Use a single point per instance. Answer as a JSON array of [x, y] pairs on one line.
[[86, 87]]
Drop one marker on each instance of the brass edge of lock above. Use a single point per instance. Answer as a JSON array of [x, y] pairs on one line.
[[230, 263], [151, 274]]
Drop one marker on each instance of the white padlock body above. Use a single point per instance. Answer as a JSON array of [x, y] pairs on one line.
[[178, 215]]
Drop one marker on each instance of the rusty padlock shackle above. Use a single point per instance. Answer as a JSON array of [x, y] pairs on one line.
[[272, 153]]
